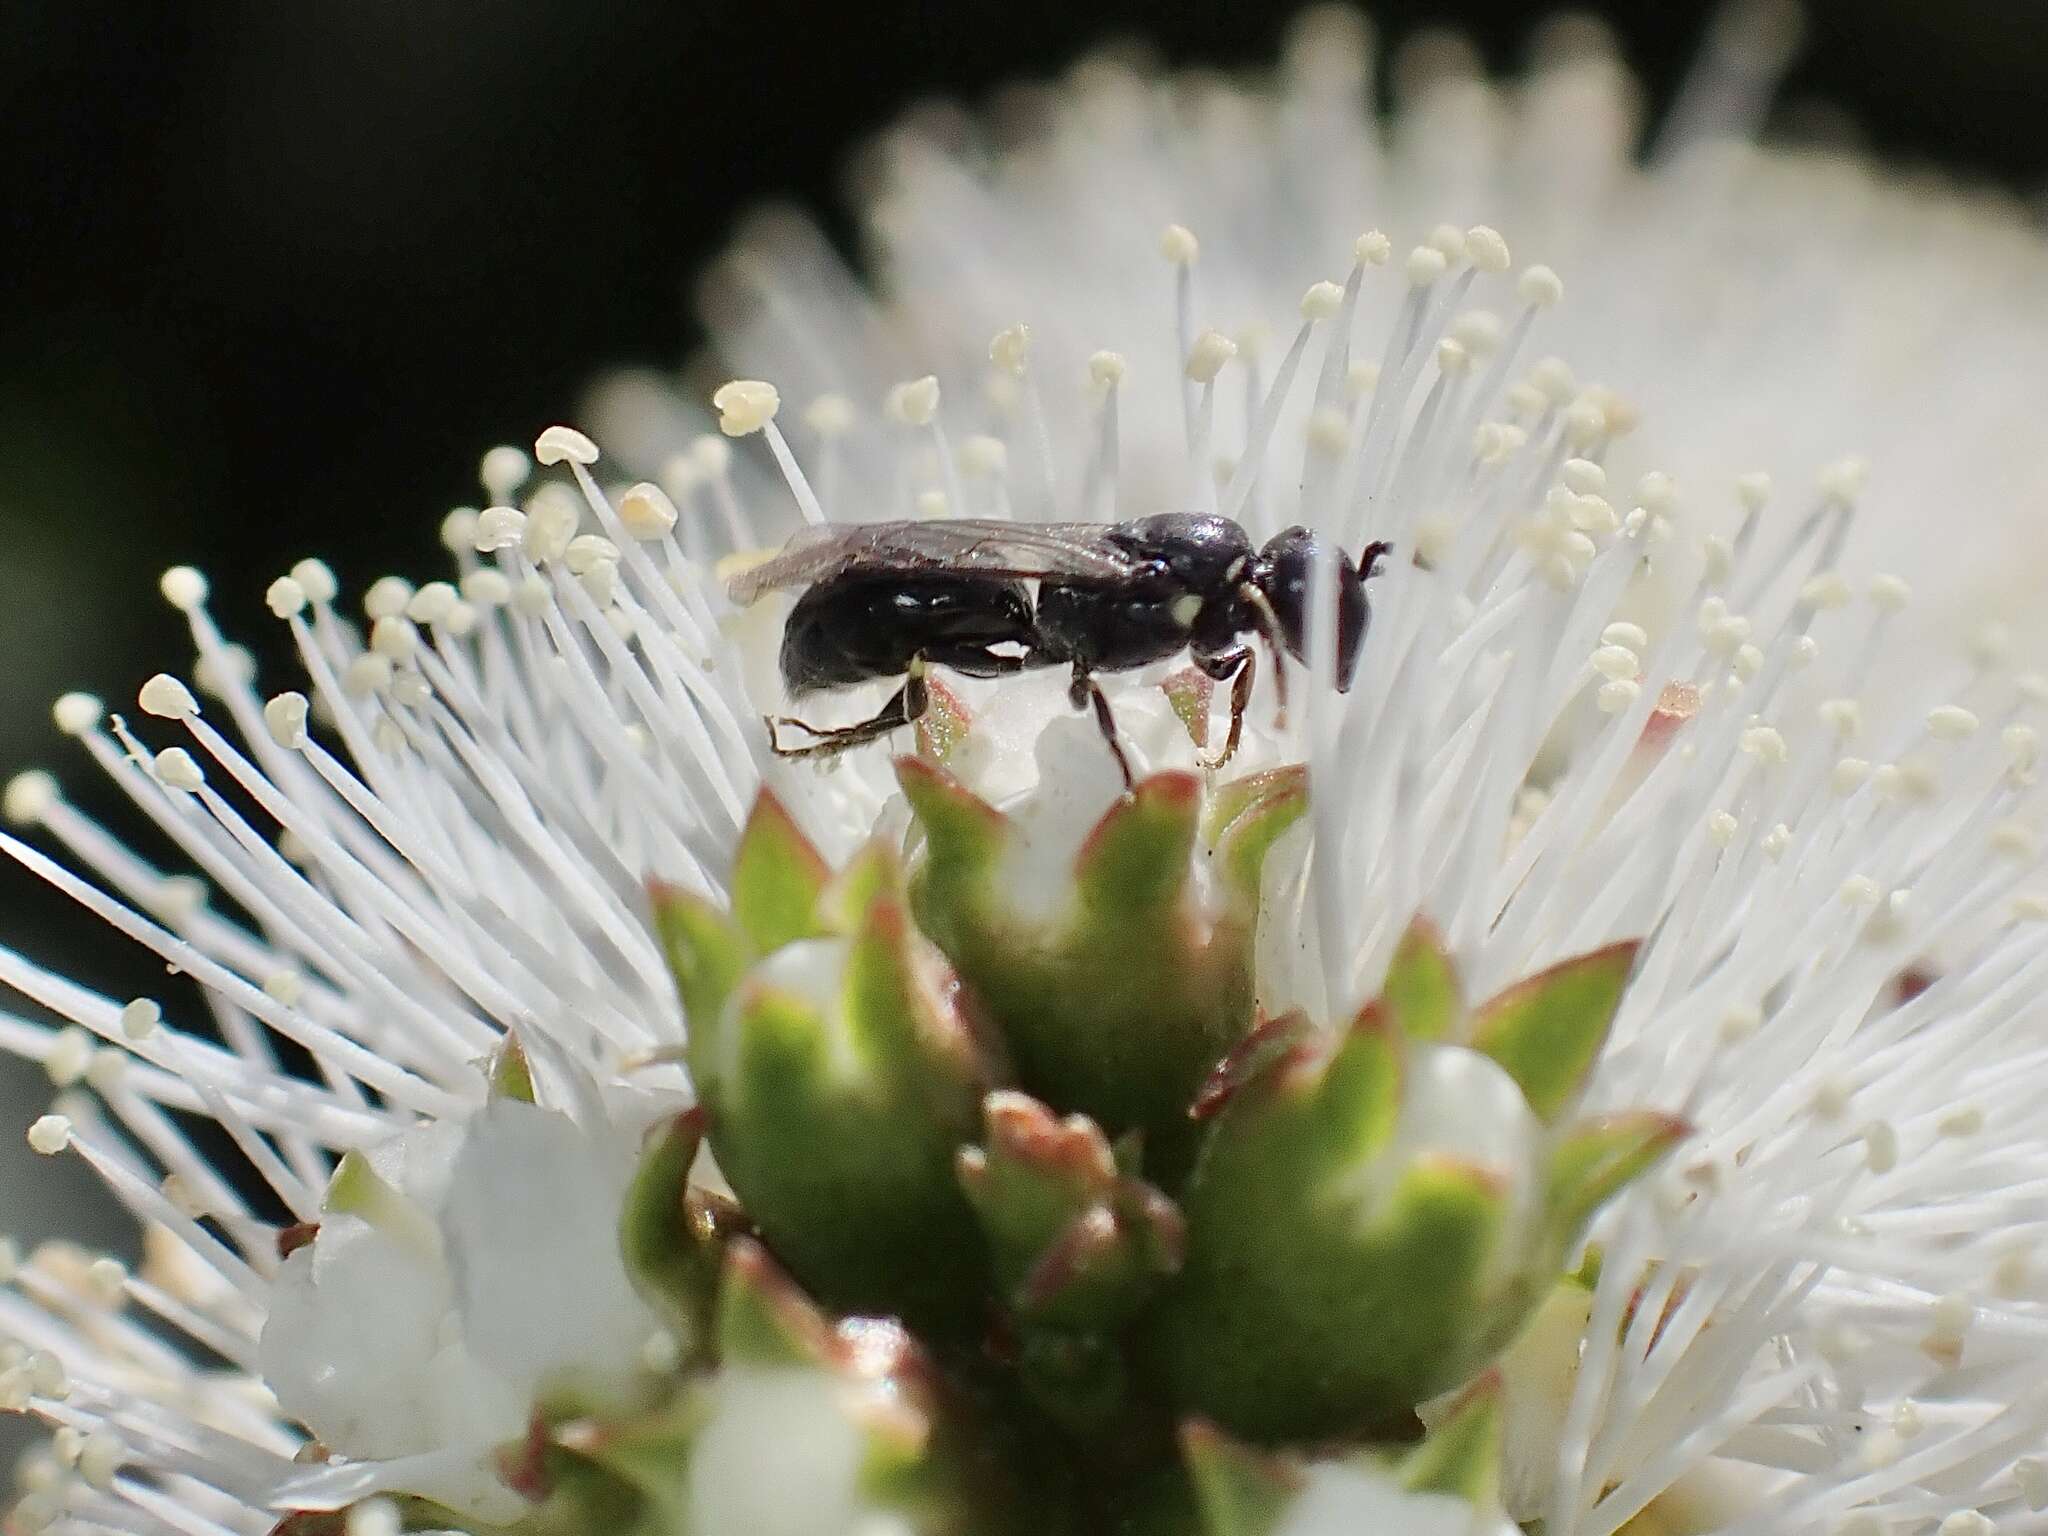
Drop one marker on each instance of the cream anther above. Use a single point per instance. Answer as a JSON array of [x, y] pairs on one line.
[[387, 597], [50, 1134], [285, 715], [167, 698], [1486, 250], [175, 769], [830, 415], [1177, 243], [1207, 356], [317, 578], [1372, 249], [1010, 349], [1322, 301], [29, 797], [1425, 265], [504, 469], [499, 528], [431, 604], [1106, 369], [140, 1018], [183, 588], [1539, 286], [284, 597], [76, 713], [745, 406], [1951, 722], [914, 402], [564, 445], [1842, 481]]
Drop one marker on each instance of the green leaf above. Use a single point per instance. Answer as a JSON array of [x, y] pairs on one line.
[[1421, 990], [1461, 1455], [1546, 1030], [1240, 1491], [1597, 1158], [776, 878]]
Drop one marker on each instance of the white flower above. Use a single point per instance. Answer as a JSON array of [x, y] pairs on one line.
[[461, 1271], [1596, 703]]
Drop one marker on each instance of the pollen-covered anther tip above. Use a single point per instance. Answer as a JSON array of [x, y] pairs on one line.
[[285, 716], [504, 469], [1486, 249], [830, 415], [167, 698], [1322, 301], [183, 588], [1890, 593], [1951, 722], [77, 713], [1105, 370], [1211, 350], [1843, 480], [175, 769], [745, 406], [914, 402], [646, 511], [50, 1134], [1425, 265], [29, 797], [140, 1018], [564, 445], [984, 457], [1010, 349], [1177, 243], [1539, 286], [499, 528], [284, 597]]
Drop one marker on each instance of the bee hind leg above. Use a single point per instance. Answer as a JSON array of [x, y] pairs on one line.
[[904, 707]]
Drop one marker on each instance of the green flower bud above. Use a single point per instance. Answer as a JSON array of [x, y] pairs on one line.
[[1375, 1212], [1117, 991], [838, 1074]]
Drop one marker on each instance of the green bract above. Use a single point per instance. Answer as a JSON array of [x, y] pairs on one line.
[[1028, 1202]]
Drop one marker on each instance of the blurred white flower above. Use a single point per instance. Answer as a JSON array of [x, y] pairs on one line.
[[1597, 702]]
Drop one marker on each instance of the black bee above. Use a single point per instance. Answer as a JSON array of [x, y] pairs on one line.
[[893, 599]]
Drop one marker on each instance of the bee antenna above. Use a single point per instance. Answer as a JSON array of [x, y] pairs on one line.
[[1370, 557]]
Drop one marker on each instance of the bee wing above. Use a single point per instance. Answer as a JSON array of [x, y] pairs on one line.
[[987, 546]]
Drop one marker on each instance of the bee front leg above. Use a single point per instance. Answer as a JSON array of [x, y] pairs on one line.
[[1084, 692], [1240, 665]]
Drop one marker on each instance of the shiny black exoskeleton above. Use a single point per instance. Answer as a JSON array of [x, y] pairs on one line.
[[892, 599]]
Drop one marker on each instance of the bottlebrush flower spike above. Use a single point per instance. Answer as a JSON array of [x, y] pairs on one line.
[[1399, 1197]]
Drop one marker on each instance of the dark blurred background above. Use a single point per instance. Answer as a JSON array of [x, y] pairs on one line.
[[273, 275]]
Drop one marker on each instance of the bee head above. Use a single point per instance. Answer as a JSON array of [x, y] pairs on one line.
[[1283, 575]]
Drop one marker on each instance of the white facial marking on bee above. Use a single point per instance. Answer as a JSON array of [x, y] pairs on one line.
[[1236, 568], [1185, 609]]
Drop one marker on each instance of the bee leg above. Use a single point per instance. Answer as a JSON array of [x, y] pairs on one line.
[[904, 707], [1084, 692], [1240, 665]]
